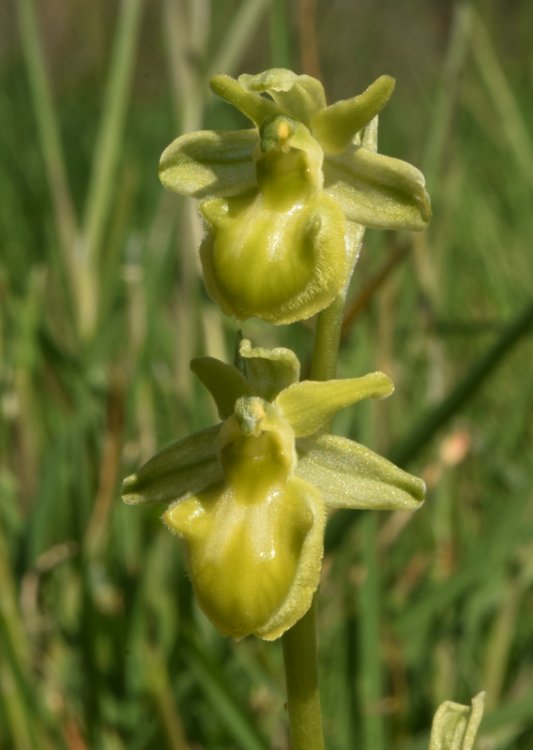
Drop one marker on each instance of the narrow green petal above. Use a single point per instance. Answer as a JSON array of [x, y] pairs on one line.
[[224, 382], [269, 371], [184, 468], [377, 191], [335, 126], [310, 405], [298, 96], [210, 163], [455, 726], [256, 107], [351, 476]]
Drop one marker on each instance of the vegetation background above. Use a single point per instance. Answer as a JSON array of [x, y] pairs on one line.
[[102, 305]]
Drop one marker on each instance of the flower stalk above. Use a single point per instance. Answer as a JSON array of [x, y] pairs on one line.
[[300, 643], [300, 656]]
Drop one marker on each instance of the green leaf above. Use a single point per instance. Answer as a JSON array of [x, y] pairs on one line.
[[455, 726], [256, 107], [184, 468], [210, 163], [335, 126], [349, 475], [269, 371], [224, 382], [310, 405], [378, 191]]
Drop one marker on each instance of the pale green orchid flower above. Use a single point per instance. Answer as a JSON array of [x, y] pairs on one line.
[[285, 202], [250, 495]]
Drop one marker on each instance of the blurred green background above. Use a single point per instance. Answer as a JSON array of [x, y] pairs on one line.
[[102, 307]]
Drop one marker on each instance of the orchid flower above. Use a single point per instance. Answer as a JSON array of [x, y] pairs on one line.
[[285, 202], [250, 496]]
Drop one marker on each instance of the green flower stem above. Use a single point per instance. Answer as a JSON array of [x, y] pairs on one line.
[[301, 671], [329, 322], [327, 338], [300, 651]]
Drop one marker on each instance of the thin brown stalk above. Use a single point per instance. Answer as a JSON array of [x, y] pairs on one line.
[[397, 254], [308, 38]]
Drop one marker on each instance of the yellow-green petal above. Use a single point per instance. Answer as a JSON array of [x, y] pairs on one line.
[[269, 81], [183, 468], [349, 475], [210, 163], [310, 405], [300, 96], [256, 107], [377, 191], [268, 371], [335, 126]]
